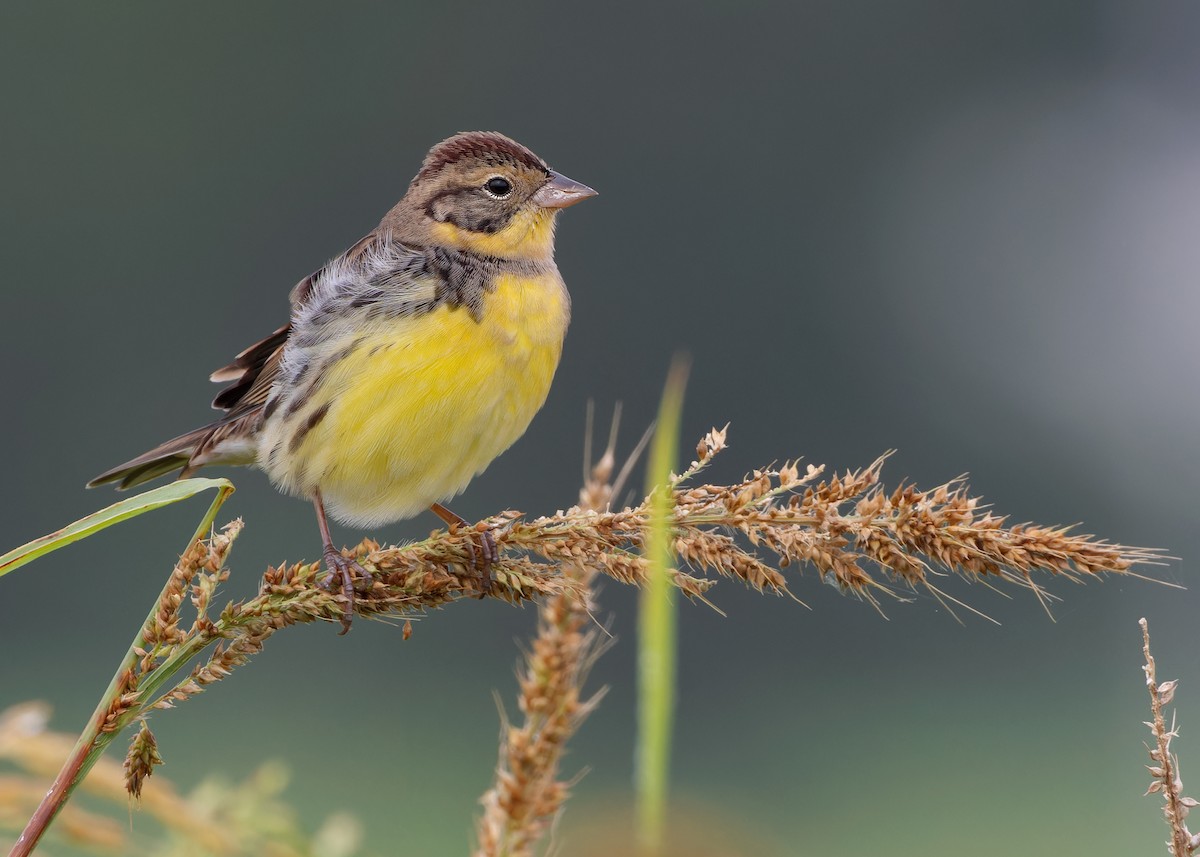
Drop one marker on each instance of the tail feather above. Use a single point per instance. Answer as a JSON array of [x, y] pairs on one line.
[[175, 454]]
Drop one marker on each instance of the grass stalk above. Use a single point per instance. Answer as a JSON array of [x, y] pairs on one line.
[[1164, 765], [101, 729], [656, 624]]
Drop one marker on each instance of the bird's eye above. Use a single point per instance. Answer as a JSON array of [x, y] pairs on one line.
[[498, 186]]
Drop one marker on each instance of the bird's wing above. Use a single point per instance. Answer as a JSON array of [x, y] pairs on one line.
[[252, 373], [254, 370], [303, 290]]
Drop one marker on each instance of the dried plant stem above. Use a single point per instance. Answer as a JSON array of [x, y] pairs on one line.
[[1164, 765]]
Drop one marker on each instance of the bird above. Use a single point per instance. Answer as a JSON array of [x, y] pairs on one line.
[[410, 361]]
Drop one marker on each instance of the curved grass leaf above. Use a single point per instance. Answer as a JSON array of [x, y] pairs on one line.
[[128, 508]]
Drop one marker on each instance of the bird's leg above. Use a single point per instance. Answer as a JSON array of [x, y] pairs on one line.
[[488, 553], [337, 565]]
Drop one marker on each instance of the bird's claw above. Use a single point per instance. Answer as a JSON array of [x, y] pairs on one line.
[[343, 571], [481, 546], [483, 554]]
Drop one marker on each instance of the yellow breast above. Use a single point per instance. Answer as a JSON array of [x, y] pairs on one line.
[[423, 404]]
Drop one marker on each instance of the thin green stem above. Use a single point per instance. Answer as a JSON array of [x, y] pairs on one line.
[[656, 625]]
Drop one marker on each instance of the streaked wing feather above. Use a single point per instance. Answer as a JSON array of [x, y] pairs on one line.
[[251, 358], [254, 389], [259, 362], [303, 289], [254, 370]]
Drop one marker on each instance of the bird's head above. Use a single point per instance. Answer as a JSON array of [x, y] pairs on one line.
[[483, 192]]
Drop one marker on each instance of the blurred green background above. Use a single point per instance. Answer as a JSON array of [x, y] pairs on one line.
[[963, 230]]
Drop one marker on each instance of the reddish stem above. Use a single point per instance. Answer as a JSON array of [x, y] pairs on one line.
[[72, 771]]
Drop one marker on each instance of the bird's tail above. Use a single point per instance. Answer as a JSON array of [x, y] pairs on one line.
[[178, 453]]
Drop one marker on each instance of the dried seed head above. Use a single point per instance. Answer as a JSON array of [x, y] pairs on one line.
[[140, 761]]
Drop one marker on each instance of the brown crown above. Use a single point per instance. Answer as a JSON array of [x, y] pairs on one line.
[[489, 147]]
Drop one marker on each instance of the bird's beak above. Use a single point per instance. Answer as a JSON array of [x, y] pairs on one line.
[[561, 192]]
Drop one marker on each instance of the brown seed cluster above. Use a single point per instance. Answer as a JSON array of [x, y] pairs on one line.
[[1164, 765], [162, 640], [527, 794], [857, 536], [140, 761]]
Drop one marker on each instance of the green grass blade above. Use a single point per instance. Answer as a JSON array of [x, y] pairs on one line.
[[131, 507], [656, 626]]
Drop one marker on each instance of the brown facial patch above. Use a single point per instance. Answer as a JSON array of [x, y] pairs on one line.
[[470, 208]]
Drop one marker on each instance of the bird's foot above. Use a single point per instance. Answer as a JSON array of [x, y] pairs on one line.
[[481, 548], [484, 554], [342, 572]]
